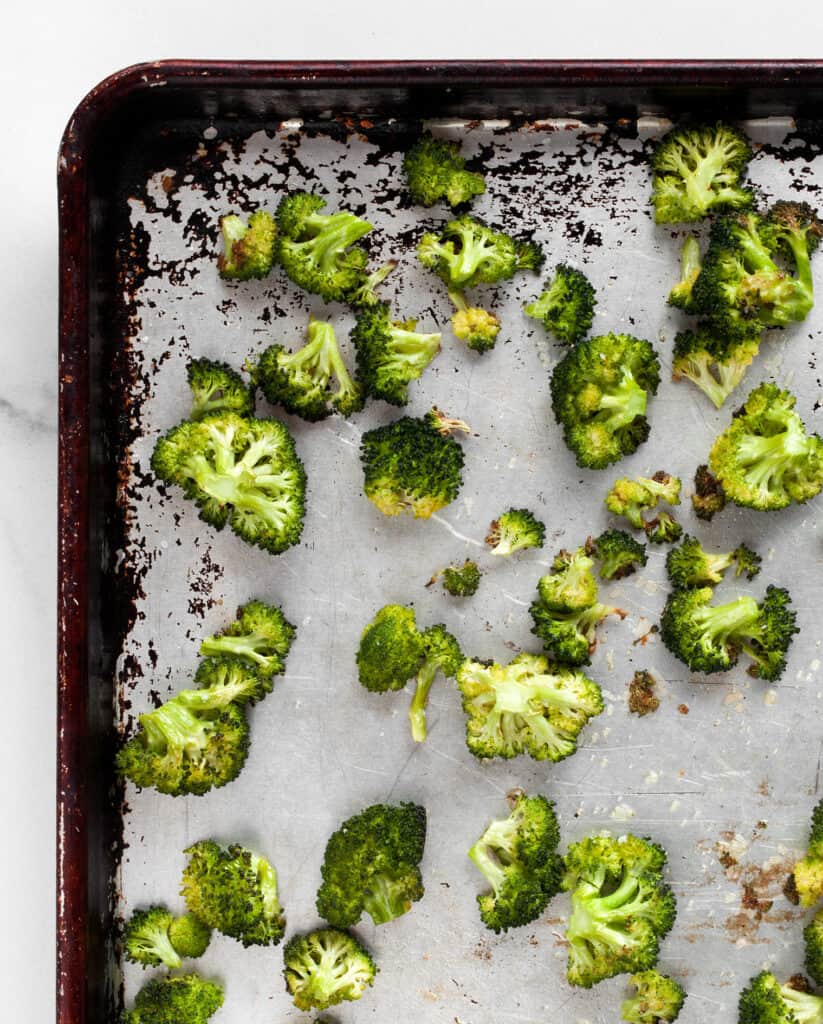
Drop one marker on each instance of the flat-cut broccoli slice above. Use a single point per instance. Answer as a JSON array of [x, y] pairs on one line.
[[600, 390], [518, 858], [708, 498], [697, 171], [261, 636], [462, 580], [317, 250], [468, 252], [690, 565], [248, 251], [216, 386], [630, 498], [391, 649], [691, 263], [146, 938], [412, 465], [709, 638], [515, 530], [183, 999], [234, 891], [570, 586], [435, 170], [366, 293], [240, 471], [525, 707], [663, 529], [372, 864], [566, 307], [618, 553], [477, 327], [312, 381], [813, 944], [190, 936], [714, 363], [326, 967], [808, 872], [390, 354], [441, 653], [659, 999], [765, 459], [621, 907], [766, 1001], [642, 698]]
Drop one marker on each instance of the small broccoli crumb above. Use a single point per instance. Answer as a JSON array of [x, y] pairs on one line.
[[642, 697], [462, 580], [708, 498]]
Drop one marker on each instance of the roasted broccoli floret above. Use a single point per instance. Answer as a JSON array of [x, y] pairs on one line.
[[618, 553], [216, 386], [525, 707], [185, 999], [708, 498], [699, 170], [390, 354], [514, 530], [630, 498], [642, 698], [621, 907], [435, 170], [709, 638], [372, 864], [714, 363], [599, 394], [146, 938], [234, 891], [326, 967], [566, 307], [391, 649], [813, 943], [462, 580], [689, 565], [190, 936], [315, 249], [691, 264], [468, 252], [477, 327], [518, 858], [261, 636], [441, 653], [412, 465], [312, 381], [366, 293], [240, 471], [248, 251], [659, 999], [743, 285], [808, 872], [766, 1001], [570, 586], [765, 459], [663, 529]]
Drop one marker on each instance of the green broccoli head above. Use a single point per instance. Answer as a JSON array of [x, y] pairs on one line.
[[240, 471], [441, 653], [462, 580], [709, 638], [525, 707], [391, 649], [691, 263], [248, 250], [372, 864], [311, 382], [411, 466], [183, 999], [618, 553], [570, 637], [689, 565], [566, 307], [146, 938], [630, 498], [366, 293], [621, 907], [234, 891], [813, 944], [260, 636], [599, 394], [435, 170], [708, 498], [518, 858], [659, 999], [808, 872], [663, 529], [326, 967], [714, 363], [766, 1001], [765, 459], [390, 354], [514, 530], [571, 586], [697, 171], [190, 936], [215, 386], [468, 252], [477, 327], [317, 250]]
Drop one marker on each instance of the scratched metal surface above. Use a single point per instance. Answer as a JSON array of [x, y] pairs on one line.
[[723, 775]]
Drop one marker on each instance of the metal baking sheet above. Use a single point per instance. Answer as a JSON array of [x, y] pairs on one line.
[[724, 775]]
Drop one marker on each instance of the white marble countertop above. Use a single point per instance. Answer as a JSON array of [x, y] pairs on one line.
[[52, 54]]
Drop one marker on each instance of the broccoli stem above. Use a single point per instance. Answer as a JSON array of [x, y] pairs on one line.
[[766, 459], [417, 711], [156, 944], [488, 864], [721, 621], [385, 900], [244, 646], [173, 726], [335, 232]]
